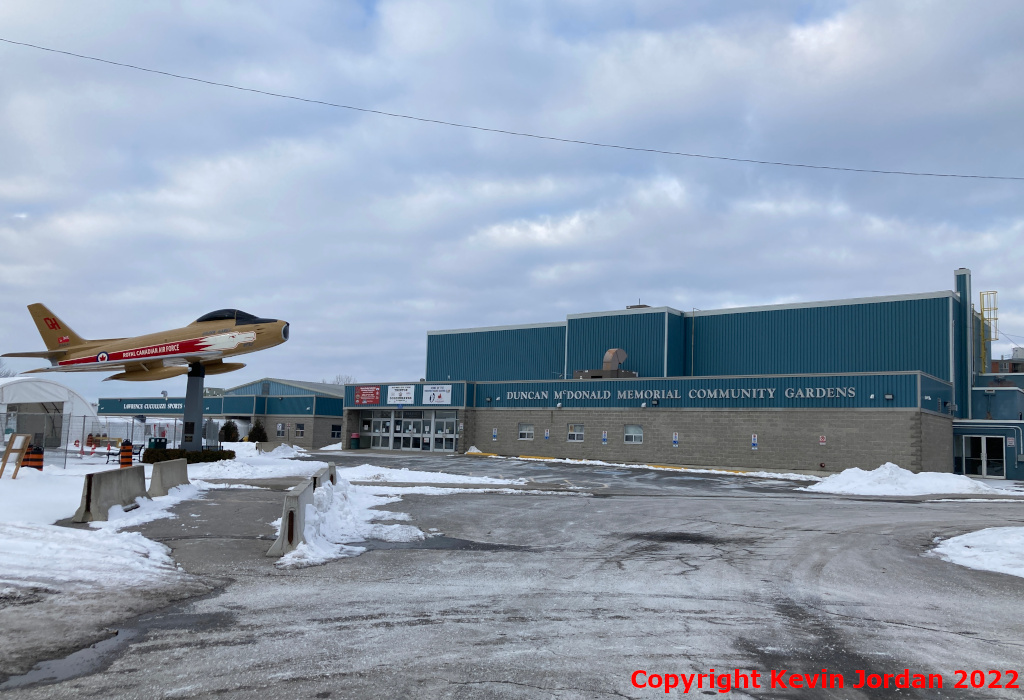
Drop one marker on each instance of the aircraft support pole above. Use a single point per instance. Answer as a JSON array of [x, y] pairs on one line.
[[192, 435]]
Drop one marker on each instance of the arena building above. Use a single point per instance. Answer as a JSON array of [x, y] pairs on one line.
[[304, 414], [812, 386]]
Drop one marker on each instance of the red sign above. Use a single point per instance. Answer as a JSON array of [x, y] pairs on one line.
[[368, 395]]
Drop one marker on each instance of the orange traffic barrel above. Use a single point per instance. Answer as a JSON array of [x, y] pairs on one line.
[[126, 454], [33, 458]]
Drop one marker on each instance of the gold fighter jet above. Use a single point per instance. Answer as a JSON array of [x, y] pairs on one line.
[[207, 341]]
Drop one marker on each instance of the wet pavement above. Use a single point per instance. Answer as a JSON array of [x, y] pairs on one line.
[[531, 595]]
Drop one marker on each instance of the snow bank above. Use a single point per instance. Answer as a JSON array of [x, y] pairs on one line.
[[371, 472], [340, 514], [890, 480], [41, 555], [40, 497], [474, 450], [998, 549], [784, 476], [335, 446], [254, 467]]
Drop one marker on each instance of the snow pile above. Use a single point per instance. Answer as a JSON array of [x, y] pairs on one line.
[[784, 476], [41, 555], [474, 450], [998, 549], [335, 446], [340, 514], [41, 497], [890, 480], [241, 449], [262, 466], [371, 472], [284, 452]]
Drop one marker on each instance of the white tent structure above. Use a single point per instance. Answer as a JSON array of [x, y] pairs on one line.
[[52, 413]]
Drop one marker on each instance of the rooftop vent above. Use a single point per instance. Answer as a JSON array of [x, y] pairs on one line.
[[610, 367], [614, 358], [638, 306]]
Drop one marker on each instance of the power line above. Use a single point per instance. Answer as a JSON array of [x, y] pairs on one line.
[[507, 132]]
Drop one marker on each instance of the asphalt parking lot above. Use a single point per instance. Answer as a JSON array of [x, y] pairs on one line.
[[561, 595]]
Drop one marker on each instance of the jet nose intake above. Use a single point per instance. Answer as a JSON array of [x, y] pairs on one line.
[[284, 331]]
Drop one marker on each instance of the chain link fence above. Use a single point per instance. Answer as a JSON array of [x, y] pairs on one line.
[[66, 434]]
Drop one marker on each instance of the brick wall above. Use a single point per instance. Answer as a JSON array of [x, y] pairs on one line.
[[787, 439], [936, 443]]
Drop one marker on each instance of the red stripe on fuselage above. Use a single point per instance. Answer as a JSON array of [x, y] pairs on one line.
[[149, 352]]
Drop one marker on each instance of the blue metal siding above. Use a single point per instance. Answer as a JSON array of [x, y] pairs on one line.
[[765, 392], [676, 346], [891, 336], [329, 407], [936, 395], [239, 405], [1001, 404], [641, 335], [518, 353], [290, 406]]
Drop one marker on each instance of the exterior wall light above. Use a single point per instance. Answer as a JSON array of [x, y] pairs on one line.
[[558, 405], [654, 402], [643, 405], [888, 397], [488, 399]]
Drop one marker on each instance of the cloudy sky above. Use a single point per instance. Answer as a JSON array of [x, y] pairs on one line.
[[132, 202]]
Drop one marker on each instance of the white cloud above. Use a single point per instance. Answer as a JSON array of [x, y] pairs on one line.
[[149, 201]]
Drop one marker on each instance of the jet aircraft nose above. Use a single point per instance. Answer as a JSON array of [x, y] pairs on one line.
[[284, 331]]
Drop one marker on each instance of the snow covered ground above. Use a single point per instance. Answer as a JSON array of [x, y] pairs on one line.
[[891, 480], [998, 549]]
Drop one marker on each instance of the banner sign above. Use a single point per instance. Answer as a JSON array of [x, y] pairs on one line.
[[368, 395], [401, 394], [437, 394]]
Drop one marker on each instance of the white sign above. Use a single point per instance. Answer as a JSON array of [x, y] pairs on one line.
[[1010, 442], [821, 439], [401, 393], [436, 394]]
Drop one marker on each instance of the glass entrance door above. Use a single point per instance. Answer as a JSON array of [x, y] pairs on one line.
[[422, 431], [984, 456]]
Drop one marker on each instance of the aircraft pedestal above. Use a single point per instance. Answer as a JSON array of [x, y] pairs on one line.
[[192, 437]]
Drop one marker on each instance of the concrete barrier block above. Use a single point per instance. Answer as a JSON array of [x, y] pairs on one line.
[[293, 519], [167, 475], [102, 490], [326, 475]]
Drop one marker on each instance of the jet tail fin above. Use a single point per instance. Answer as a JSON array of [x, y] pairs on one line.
[[56, 335]]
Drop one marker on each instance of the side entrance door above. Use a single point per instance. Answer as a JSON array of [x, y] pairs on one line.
[[985, 456]]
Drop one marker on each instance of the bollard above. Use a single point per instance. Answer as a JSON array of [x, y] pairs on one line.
[[33, 458], [126, 454]]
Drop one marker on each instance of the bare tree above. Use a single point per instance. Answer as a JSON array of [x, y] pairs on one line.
[[340, 379], [4, 372]]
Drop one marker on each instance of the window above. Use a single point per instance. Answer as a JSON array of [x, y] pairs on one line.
[[280, 429], [634, 434], [336, 430], [300, 429], [575, 432], [526, 431]]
